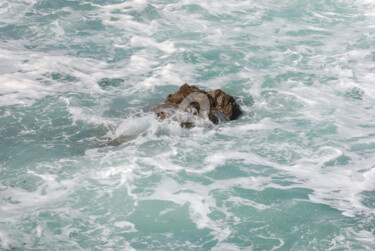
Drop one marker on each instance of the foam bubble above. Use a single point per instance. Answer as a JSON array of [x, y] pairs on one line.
[[5, 239]]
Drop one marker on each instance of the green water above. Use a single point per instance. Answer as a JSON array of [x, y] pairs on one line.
[[295, 172]]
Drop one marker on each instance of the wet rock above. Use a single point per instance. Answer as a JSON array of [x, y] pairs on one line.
[[215, 105]]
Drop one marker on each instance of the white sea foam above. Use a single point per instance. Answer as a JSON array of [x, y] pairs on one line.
[[51, 191], [5, 239], [311, 127]]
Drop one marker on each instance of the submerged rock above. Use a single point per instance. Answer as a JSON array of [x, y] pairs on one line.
[[215, 105]]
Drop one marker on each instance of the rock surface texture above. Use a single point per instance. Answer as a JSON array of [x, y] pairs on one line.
[[215, 105]]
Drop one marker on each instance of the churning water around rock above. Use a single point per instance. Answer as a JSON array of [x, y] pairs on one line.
[[295, 172]]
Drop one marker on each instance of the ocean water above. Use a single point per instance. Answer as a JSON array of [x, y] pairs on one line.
[[295, 172]]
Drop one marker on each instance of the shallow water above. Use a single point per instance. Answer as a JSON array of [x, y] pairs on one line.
[[295, 172]]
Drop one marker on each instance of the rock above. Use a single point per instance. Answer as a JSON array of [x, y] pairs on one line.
[[215, 105], [226, 104]]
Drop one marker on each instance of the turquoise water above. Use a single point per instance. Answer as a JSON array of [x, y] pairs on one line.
[[295, 172]]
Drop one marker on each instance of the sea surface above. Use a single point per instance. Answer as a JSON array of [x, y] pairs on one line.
[[295, 172]]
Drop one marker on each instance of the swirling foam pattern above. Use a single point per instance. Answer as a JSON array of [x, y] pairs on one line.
[[295, 172]]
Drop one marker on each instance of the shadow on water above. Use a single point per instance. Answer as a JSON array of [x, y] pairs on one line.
[[108, 141]]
